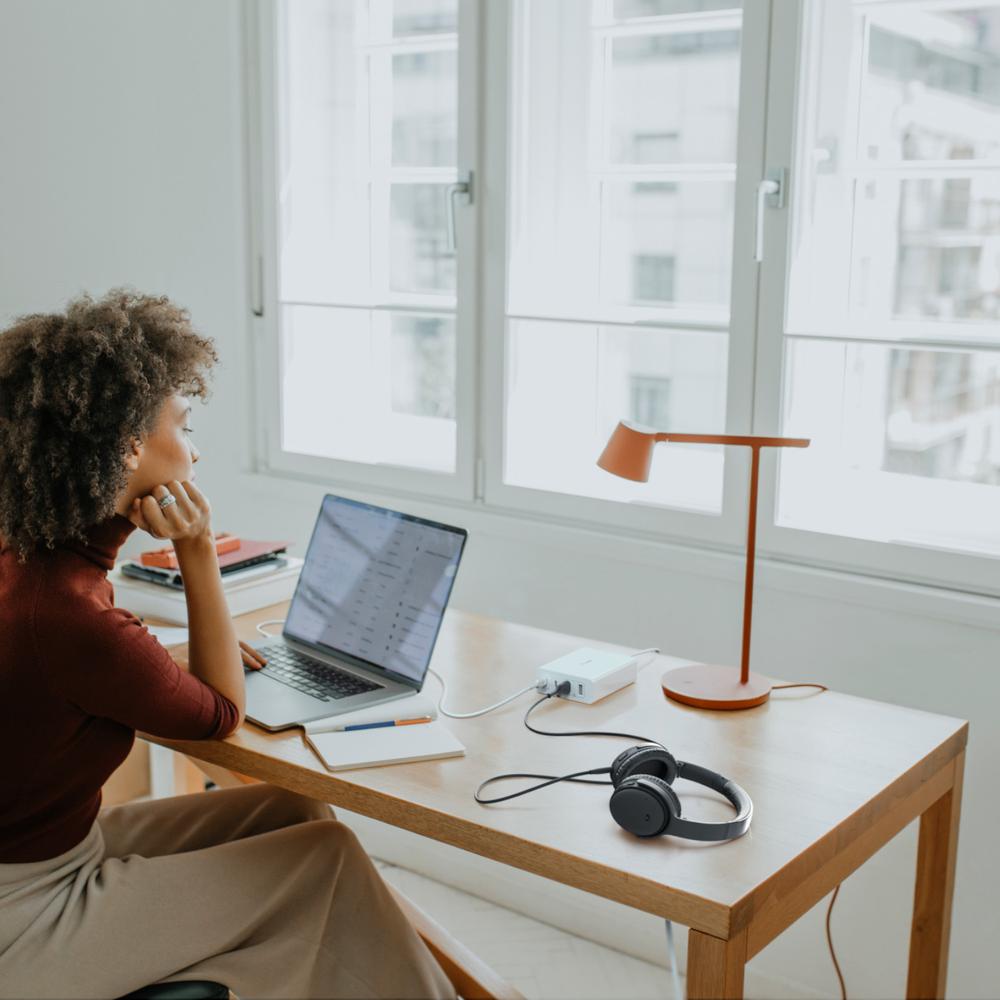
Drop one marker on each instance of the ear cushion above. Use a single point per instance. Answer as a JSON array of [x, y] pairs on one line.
[[644, 805], [651, 760]]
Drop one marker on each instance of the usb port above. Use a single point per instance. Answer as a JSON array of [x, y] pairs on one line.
[[579, 689]]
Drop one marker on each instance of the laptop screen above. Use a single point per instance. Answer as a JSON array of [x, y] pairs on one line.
[[374, 586]]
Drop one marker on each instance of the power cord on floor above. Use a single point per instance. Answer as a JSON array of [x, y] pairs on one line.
[[675, 975], [829, 941]]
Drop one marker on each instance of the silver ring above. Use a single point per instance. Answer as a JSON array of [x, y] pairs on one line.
[[166, 501]]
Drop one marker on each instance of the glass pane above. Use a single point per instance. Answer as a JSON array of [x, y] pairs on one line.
[[614, 211], [368, 386], [324, 233], [423, 366], [674, 97], [881, 234], [420, 260], [424, 109], [905, 444], [928, 249], [653, 8], [557, 425], [423, 17], [350, 115], [932, 84], [667, 243]]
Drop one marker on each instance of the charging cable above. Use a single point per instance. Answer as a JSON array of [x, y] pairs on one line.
[[480, 711], [270, 621]]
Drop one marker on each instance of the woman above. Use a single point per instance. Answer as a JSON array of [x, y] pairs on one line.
[[257, 888]]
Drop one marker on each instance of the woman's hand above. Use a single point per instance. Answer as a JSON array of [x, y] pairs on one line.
[[251, 658], [190, 517]]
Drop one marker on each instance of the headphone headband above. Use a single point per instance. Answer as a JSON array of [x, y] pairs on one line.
[[695, 830]]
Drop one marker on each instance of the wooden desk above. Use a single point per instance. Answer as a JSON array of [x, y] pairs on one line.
[[833, 778]]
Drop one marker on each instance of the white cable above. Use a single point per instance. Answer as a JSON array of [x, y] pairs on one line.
[[270, 621], [481, 711], [643, 652], [672, 950]]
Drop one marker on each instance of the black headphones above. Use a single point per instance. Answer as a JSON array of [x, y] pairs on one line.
[[645, 803]]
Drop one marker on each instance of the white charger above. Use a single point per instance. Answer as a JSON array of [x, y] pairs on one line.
[[592, 673]]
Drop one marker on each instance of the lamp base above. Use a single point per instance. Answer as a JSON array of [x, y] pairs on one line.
[[707, 685]]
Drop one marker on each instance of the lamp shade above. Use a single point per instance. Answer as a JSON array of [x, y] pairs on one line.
[[629, 452]]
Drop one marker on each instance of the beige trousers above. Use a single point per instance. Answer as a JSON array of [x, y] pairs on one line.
[[255, 887]]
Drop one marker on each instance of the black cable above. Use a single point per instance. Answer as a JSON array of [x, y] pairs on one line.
[[579, 732], [563, 689], [575, 776]]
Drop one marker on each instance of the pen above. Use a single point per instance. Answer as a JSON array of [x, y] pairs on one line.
[[380, 725]]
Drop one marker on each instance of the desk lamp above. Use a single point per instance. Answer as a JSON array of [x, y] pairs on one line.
[[628, 454]]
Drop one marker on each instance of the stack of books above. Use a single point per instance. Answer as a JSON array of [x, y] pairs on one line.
[[254, 575]]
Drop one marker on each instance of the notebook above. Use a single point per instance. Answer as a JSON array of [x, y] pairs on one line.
[[411, 707], [393, 745]]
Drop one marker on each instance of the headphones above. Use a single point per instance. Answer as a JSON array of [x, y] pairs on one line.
[[645, 803]]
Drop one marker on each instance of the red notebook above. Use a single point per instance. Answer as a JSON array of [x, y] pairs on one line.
[[246, 552]]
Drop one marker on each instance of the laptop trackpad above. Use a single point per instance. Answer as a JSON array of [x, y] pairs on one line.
[[272, 703]]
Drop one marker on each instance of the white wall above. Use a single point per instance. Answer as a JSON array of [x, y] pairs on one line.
[[121, 162]]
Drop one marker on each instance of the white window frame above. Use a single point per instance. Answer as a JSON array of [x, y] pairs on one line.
[[261, 43], [954, 570]]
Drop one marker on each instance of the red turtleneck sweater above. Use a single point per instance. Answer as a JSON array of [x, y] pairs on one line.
[[78, 677]]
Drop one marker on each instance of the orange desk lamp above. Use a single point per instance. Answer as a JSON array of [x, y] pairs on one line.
[[628, 454]]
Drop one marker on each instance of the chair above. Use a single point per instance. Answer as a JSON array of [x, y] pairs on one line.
[[193, 989]]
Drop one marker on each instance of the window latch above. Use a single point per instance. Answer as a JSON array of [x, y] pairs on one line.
[[770, 191], [462, 186]]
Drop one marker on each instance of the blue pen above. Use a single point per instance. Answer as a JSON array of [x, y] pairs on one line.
[[382, 725]]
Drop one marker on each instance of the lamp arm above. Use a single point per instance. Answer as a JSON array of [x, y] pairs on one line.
[[748, 440]]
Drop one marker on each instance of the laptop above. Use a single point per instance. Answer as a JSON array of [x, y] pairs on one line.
[[364, 617]]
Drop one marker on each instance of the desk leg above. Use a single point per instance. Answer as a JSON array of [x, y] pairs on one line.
[[931, 928], [161, 772], [715, 967]]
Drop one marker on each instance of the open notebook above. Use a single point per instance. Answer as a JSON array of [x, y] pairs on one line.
[[392, 745]]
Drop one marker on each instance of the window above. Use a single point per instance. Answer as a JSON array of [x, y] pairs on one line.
[[620, 227], [893, 354], [598, 179], [367, 273]]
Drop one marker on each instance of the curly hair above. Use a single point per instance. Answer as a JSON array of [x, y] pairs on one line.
[[75, 389]]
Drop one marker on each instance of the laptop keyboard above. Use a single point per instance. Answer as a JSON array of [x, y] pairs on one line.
[[311, 677]]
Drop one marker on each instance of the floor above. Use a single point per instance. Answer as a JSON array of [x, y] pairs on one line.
[[541, 961]]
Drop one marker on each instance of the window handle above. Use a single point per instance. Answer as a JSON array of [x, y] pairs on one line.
[[771, 187], [462, 186]]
